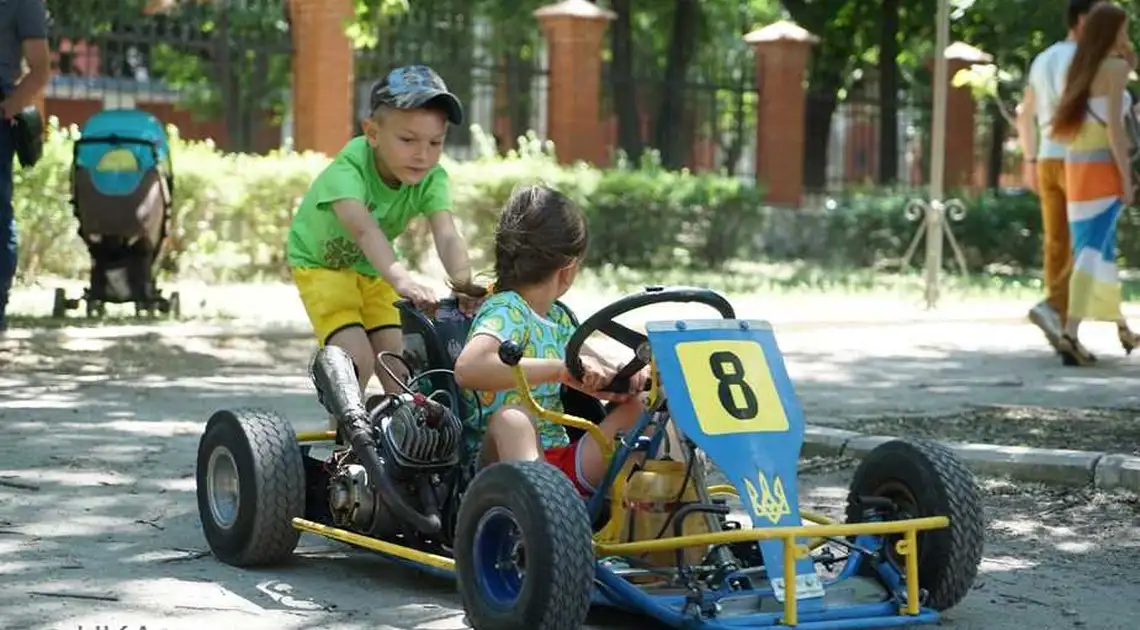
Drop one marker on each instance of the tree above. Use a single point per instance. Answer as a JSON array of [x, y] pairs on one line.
[[622, 81], [844, 30], [223, 60], [888, 92], [690, 58]]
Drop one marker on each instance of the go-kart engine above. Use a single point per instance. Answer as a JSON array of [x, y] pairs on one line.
[[417, 439], [417, 434]]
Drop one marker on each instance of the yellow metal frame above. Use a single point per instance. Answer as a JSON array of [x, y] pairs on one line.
[[308, 437], [375, 544], [606, 541]]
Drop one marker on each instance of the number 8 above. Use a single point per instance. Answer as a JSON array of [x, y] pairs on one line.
[[720, 363]]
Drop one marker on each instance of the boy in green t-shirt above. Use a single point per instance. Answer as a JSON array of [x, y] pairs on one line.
[[340, 243]]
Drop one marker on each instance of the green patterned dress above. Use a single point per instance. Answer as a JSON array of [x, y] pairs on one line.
[[507, 316]]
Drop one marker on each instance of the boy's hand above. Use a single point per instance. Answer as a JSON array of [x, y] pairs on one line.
[[469, 305], [470, 297], [420, 295]]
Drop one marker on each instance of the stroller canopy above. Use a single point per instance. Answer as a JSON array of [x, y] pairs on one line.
[[116, 147]]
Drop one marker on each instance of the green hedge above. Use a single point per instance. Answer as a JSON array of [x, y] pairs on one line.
[[1000, 232], [232, 213]]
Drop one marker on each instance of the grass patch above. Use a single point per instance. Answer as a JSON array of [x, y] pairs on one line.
[[808, 279], [739, 279]]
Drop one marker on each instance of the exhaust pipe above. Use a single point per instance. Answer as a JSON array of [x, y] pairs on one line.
[[334, 374]]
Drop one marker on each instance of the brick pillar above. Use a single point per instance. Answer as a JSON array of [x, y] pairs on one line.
[[574, 31], [782, 52], [960, 110], [323, 91]]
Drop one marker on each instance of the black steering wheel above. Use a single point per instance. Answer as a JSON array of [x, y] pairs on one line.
[[604, 321]]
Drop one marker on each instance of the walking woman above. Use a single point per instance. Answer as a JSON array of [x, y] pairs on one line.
[[1098, 174]]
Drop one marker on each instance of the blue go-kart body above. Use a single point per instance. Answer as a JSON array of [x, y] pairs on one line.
[[759, 456], [528, 552]]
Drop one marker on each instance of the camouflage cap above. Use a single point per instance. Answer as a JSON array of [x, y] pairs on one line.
[[412, 87]]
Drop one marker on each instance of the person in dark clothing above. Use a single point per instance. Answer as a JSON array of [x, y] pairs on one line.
[[23, 41]]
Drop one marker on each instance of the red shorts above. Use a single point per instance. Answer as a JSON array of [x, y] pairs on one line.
[[566, 459]]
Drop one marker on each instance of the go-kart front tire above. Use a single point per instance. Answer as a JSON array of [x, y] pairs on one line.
[[927, 479], [527, 510], [251, 484]]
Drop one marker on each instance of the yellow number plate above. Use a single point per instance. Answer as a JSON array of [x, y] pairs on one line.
[[731, 388]]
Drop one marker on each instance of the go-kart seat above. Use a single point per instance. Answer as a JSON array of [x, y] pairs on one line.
[[435, 344]]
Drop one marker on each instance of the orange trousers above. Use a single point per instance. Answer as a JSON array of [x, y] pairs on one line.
[[1058, 248]]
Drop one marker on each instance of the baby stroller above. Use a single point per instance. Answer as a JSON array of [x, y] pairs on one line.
[[122, 193]]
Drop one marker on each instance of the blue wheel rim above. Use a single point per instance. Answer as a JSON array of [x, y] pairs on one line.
[[500, 568]]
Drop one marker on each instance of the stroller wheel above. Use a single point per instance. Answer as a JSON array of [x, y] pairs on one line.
[[174, 306], [59, 308], [95, 309]]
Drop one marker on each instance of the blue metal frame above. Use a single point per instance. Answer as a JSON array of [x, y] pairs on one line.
[[612, 590], [749, 458], [754, 460]]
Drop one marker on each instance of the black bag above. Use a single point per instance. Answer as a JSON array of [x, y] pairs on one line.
[[28, 136]]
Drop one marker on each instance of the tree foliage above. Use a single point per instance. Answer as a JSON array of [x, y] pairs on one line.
[[667, 59]]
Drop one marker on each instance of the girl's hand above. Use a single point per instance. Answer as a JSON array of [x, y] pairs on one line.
[[597, 374], [637, 383]]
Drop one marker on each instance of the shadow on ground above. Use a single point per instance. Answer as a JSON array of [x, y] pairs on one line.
[[98, 506], [943, 368]]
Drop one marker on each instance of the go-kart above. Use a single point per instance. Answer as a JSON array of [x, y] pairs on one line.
[[529, 553]]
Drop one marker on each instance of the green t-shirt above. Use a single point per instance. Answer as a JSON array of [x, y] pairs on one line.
[[317, 238]]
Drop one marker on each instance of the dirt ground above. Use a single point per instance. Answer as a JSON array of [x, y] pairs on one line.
[[98, 521], [1108, 430]]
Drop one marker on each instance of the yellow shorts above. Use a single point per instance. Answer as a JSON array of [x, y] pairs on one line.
[[336, 299]]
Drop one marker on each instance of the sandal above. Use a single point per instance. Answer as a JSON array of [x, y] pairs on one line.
[[1128, 339], [1073, 353]]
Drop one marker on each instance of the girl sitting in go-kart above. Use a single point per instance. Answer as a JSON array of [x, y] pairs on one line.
[[539, 246]]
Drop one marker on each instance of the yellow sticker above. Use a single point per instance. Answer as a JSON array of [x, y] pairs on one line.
[[118, 160], [731, 387], [770, 502]]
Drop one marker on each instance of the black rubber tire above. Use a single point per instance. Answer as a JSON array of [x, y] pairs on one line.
[[557, 540], [174, 306], [59, 306], [941, 485], [271, 486]]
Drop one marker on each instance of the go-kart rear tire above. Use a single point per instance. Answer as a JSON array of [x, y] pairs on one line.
[[551, 519], [928, 479], [261, 448]]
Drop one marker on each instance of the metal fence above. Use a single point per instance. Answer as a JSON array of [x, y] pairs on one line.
[[850, 152], [496, 68], [223, 70], [715, 129], [704, 120], [216, 69]]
